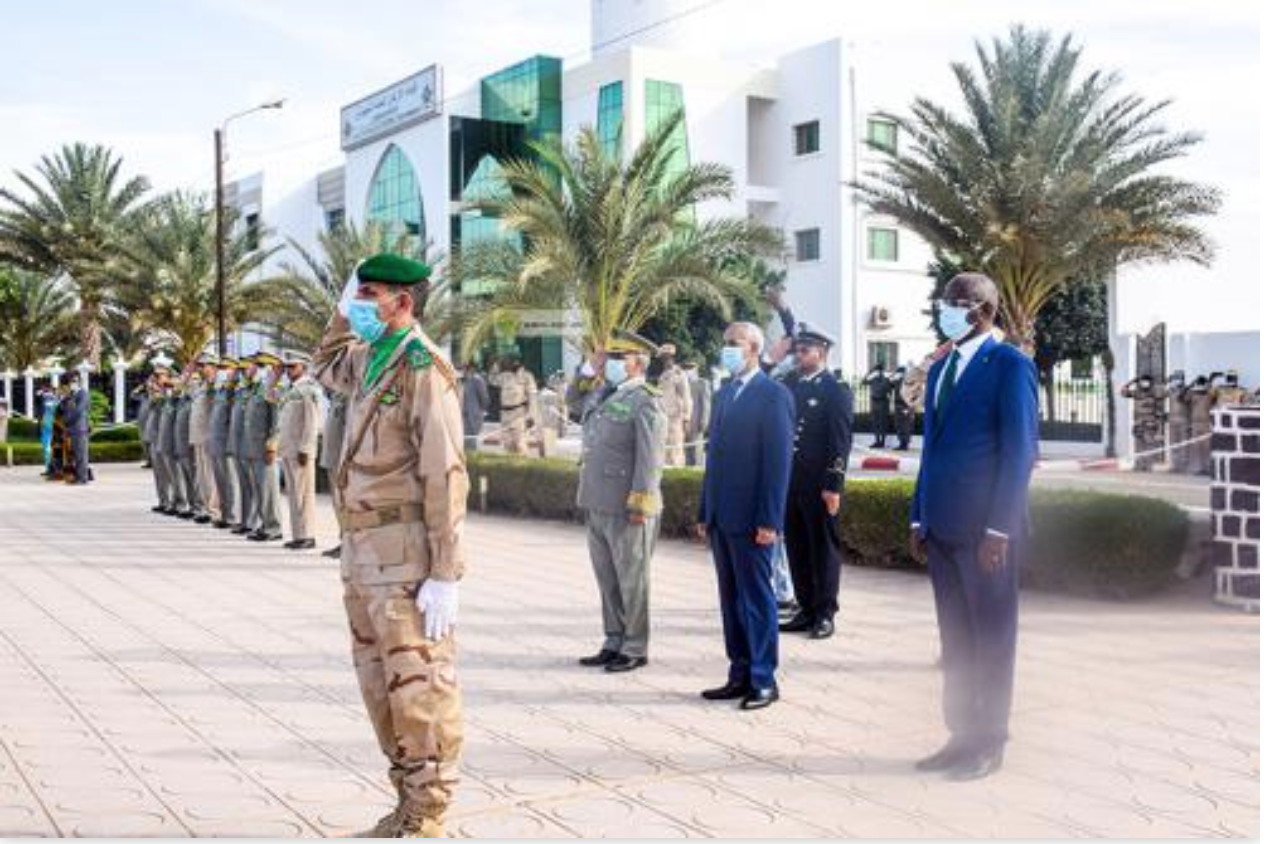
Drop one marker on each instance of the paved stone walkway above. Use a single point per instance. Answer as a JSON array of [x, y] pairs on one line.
[[162, 678]]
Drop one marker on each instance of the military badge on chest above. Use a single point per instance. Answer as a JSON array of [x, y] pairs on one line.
[[390, 396]]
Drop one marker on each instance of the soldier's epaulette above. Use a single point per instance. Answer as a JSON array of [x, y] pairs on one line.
[[417, 354], [653, 390]]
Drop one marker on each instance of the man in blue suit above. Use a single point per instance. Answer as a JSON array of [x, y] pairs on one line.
[[969, 516], [741, 512]]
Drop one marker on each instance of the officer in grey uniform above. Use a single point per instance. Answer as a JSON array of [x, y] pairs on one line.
[[621, 463], [182, 450], [259, 448], [247, 506], [165, 449], [332, 452], [217, 443]]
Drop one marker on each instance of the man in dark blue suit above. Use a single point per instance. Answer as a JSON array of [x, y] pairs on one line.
[[741, 512], [969, 516], [76, 417]]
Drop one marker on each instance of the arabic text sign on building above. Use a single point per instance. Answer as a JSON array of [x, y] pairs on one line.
[[405, 103]]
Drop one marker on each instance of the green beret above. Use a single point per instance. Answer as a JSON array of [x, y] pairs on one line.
[[388, 268]]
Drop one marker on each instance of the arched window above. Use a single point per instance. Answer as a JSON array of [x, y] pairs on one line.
[[395, 198]]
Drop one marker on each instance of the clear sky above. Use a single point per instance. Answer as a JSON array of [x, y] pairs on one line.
[[153, 79]]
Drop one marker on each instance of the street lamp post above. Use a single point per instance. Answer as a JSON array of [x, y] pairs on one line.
[[221, 324]]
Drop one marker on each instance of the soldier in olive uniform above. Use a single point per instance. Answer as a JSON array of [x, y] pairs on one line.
[[880, 404], [299, 425], [823, 440], [182, 450], [619, 491], [259, 448], [248, 506], [678, 403], [156, 389], [402, 486], [518, 403], [903, 411], [217, 444], [332, 451], [1199, 396]]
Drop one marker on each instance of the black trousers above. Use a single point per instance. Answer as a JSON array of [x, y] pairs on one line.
[[79, 443], [813, 554], [978, 613], [880, 421]]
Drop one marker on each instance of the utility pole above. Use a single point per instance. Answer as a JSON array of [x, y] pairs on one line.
[[221, 328]]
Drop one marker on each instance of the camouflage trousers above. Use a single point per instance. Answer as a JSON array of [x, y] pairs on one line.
[[410, 689]]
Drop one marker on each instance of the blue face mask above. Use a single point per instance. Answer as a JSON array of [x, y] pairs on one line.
[[732, 359], [362, 315], [615, 371], [953, 322]]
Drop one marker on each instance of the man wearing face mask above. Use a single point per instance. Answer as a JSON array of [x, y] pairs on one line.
[[742, 505], [402, 493], [969, 514], [76, 417], [621, 462], [260, 445]]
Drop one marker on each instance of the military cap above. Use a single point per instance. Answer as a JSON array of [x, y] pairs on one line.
[[292, 357], [228, 363], [630, 343], [388, 268], [266, 359], [208, 359], [809, 335]]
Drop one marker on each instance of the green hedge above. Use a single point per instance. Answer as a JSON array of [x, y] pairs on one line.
[[23, 430], [1086, 543], [30, 454]]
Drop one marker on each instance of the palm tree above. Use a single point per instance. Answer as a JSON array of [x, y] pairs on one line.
[[616, 242], [1048, 178], [36, 318], [74, 220], [300, 300], [174, 252]]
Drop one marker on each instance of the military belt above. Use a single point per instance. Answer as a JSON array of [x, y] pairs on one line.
[[381, 517], [514, 406]]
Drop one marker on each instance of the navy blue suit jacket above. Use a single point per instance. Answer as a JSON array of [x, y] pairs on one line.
[[749, 457], [974, 474]]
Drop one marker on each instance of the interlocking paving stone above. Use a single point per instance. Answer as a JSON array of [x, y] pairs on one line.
[[160, 678]]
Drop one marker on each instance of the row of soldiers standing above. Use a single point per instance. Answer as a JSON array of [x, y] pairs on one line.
[[1182, 410], [216, 434]]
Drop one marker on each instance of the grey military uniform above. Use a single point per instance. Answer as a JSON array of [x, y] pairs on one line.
[[622, 462], [259, 439], [700, 415], [217, 446], [149, 435], [237, 415], [166, 448], [184, 457]]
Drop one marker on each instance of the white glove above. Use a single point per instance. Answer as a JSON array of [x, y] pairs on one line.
[[349, 293], [437, 601]]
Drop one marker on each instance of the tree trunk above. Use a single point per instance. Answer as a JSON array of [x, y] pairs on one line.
[[89, 334]]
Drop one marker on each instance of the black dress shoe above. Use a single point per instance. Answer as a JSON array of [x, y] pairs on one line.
[[203, 519], [241, 529], [943, 759], [261, 536], [334, 553], [759, 698], [158, 508], [824, 629], [301, 544], [624, 663], [730, 691], [599, 659], [976, 766], [798, 623], [185, 514], [223, 524]]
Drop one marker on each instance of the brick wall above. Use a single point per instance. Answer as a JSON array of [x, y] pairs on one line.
[[1235, 502]]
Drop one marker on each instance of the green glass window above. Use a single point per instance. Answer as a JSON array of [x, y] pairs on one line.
[[395, 198], [611, 118], [882, 133], [881, 244], [530, 93], [663, 100], [808, 138], [809, 245]]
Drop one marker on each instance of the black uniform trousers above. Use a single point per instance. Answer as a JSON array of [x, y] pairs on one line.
[[977, 612], [812, 536]]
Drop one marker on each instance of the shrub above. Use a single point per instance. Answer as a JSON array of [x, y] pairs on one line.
[[125, 433], [30, 454], [22, 429], [1086, 543]]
